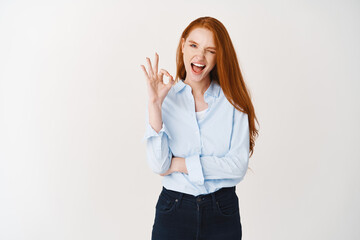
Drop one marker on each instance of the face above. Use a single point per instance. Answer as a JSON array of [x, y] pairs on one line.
[[199, 54]]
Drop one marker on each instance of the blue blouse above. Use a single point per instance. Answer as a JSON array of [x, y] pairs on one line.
[[215, 147]]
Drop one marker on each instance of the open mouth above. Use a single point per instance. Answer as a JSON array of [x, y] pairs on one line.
[[197, 68]]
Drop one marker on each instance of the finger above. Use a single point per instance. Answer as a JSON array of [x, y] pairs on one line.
[[151, 73], [165, 72], [145, 72], [160, 76], [171, 79], [156, 62]]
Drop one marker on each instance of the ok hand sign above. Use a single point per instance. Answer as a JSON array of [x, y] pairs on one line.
[[157, 90]]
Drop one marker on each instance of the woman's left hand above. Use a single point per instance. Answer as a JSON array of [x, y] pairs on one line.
[[177, 165]]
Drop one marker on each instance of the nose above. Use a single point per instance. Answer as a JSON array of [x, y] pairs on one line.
[[200, 53]]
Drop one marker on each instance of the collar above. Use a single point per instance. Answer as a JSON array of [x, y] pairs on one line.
[[213, 90]]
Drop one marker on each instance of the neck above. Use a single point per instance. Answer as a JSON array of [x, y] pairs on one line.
[[198, 88]]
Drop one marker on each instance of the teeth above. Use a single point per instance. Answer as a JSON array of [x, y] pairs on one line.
[[199, 65]]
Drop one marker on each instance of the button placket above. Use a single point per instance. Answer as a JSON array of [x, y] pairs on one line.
[[197, 131]]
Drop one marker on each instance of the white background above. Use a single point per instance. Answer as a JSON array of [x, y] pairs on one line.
[[72, 111]]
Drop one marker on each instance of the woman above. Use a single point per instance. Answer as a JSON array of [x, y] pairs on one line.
[[200, 134]]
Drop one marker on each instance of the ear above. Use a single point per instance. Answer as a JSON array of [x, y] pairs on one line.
[[182, 44]]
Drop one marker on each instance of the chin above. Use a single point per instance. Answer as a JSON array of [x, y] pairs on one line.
[[197, 78]]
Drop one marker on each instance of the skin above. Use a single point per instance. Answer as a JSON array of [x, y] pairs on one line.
[[198, 47]]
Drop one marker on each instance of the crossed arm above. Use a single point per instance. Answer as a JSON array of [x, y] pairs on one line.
[[177, 165], [232, 165]]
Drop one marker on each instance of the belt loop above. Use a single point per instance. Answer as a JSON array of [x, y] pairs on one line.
[[213, 200], [179, 199]]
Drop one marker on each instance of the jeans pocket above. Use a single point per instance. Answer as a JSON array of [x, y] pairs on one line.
[[228, 206], [166, 204]]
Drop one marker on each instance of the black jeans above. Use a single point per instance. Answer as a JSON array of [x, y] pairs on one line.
[[213, 216]]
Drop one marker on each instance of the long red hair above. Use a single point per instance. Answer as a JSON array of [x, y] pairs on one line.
[[226, 71]]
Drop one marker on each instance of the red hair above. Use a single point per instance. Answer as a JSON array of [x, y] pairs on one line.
[[226, 71]]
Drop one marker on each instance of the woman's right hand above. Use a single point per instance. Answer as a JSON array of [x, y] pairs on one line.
[[157, 90]]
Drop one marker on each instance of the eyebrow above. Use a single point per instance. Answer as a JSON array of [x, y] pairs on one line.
[[197, 43]]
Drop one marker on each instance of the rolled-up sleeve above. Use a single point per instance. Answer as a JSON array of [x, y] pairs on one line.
[[158, 152], [194, 169]]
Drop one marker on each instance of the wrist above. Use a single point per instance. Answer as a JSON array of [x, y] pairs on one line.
[[180, 165], [155, 103]]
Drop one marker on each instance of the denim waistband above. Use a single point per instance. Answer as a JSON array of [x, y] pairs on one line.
[[202, 197]]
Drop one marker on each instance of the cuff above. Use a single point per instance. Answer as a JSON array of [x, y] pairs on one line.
[[194, 169], [150, 132]]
